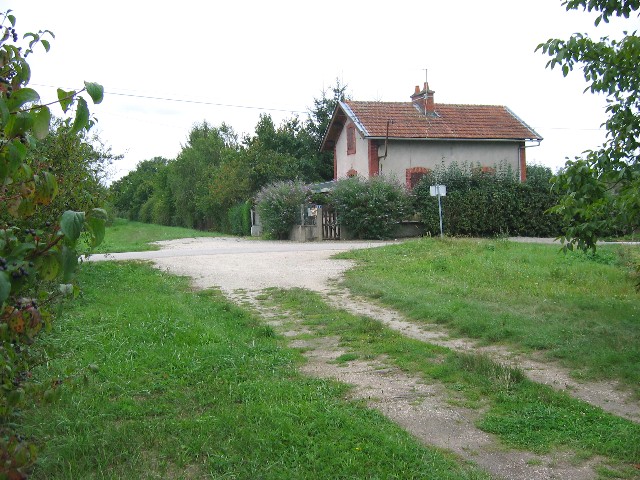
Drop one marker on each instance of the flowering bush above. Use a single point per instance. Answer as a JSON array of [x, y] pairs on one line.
[[278, 205], [370, 208]]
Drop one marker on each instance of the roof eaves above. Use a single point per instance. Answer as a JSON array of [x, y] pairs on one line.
[[537, 135], [453, 139], [354, 118]]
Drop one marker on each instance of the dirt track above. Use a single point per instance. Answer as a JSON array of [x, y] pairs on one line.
[[242, 268]]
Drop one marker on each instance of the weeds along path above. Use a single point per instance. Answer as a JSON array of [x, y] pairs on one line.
[[605, 394], [420, 408]]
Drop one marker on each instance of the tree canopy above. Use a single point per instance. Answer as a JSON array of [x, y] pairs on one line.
[[601, 190]]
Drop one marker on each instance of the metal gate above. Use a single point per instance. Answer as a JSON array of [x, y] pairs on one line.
[[330, 227]]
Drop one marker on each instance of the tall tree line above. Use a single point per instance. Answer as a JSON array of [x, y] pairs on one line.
[[215, 170]]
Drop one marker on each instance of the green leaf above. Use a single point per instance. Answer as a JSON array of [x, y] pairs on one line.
[[17, 152], [18, 124], [5, 286], [49, 267], [4, 110], [46, 44], [99, 213], [42, 120], [71, 225], [12, 19], [20, 97], [95, 90], [96, 227], [65, 99], [69, 263], [82, 116]]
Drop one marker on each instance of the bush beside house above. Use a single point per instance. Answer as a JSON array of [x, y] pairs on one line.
[[485, 202], [370, 208], [278, 205]]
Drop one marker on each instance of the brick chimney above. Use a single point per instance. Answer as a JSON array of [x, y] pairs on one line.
[[423, 100]]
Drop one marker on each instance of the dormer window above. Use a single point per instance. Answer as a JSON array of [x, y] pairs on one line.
[[351, 140]]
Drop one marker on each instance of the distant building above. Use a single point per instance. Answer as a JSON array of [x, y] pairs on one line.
[[408, 139]]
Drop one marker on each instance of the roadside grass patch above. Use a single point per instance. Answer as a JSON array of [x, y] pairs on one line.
[[524, 414], [190, 386], [580, 309], [128, 236]]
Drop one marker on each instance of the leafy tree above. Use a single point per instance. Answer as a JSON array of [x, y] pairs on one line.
[[79, 162], [190, 175], [601, 191], [34, 261], [318, 122], [131, 192]]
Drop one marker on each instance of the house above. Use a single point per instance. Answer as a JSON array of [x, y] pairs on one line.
[[408, 139]]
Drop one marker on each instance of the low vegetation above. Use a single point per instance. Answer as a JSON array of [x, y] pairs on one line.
[[581, 309], [129, 236], [186, 385], [522, 413]]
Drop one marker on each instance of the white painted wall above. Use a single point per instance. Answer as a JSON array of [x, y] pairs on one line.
[[407, 154], [359, 161]]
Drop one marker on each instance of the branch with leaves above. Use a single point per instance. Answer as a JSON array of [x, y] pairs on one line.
[[601, 191], [36, 264]]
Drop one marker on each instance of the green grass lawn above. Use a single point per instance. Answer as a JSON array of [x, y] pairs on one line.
[[190, 386], [580, 309], [127, 236]]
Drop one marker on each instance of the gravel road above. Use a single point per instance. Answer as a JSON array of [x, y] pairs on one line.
[[232, 263]]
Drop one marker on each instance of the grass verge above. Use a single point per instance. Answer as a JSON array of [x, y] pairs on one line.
[[580, 309], [127, 236], [522, 413], [190, 386]]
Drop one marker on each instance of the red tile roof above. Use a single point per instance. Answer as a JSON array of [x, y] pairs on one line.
[[485, 122]]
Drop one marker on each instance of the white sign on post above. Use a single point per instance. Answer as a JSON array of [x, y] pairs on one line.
[[436, 190], [439, 191]]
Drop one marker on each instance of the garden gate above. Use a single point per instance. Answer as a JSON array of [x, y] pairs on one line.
[[330, 227]]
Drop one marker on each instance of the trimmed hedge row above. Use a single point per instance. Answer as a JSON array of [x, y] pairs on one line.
[[489, 203], [239, 217]]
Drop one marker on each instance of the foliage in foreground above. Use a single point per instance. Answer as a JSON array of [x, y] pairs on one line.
[[370, 208], [601, 191], [38, 256], [480, 203], [580, 309], [188, 384]]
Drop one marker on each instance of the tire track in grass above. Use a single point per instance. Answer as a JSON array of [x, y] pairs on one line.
[[420, 408], [607, 395]]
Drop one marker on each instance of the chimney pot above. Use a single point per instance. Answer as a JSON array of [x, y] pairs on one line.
[[417, 90]]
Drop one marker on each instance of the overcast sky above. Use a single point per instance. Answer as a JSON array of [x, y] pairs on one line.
[[241, 58]]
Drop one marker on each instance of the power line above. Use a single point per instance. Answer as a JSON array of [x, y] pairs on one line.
[[200, 102], [197, 102]]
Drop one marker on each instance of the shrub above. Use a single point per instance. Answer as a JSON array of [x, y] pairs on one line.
[[371, 208], [240, 219], [485, 203], [278, 205]]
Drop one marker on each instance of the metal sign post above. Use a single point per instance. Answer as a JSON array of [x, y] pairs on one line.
[[439, 191]]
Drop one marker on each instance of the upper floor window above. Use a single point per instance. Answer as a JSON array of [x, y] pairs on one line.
[[351, 139]]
